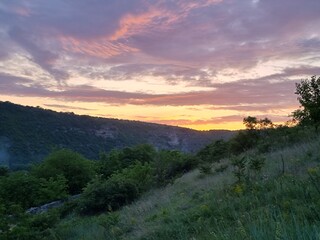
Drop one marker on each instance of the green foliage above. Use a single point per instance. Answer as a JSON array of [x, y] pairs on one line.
[[205, 168], [108, 195], [314, 175], [25, 227], [52, 189], [221, 168], [282, 208], [240, 167], [143, 153], [117, 160], [120, 189], [243, 141], [141, 174], [308, 92], [109, 222], [4, 171], [256, 163], [109, 163], [26, 190], [214, 151], [170, 164], [77, 170], [256, 133], [258, 206]]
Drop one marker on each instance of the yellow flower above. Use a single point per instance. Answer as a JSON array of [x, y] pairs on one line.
[[313, 170], [238, 189]]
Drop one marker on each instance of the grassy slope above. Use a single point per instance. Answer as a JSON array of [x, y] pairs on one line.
[[275, 206]]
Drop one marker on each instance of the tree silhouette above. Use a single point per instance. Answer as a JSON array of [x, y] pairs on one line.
[[308, 92]]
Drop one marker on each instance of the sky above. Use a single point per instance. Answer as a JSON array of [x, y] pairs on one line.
[[202, 64]]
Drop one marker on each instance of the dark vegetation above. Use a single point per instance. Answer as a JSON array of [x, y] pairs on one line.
[[119, 178], [258, 198], [29, 134]]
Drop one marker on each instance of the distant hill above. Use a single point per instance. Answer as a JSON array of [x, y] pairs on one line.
[[28, 134]]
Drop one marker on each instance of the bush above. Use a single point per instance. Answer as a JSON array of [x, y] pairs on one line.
[[214, 151], [205, 168], [27, 190], [117, 160], [170, 164], [243, 141], [120, 189]]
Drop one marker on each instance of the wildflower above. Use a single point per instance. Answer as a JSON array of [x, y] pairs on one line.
[[238, 188]]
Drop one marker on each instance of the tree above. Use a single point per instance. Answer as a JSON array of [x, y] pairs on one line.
[[214, 152], [252, 123], [117, 160], [308, 92], [74, 167], [256, 130]]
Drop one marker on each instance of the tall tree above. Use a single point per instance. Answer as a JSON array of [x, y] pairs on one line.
[[76, 169], [308, 92]]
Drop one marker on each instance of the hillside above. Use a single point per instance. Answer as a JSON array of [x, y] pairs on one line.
[[280, 201], [27, 134], [260, 184]]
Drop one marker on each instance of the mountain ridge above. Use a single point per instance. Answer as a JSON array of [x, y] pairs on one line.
[[28, 134]]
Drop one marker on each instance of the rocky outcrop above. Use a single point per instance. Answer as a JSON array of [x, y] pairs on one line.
[[48, 206]]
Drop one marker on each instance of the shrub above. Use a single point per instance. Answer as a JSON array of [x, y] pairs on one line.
[[120, 189], [214, 151], [205, 168], [170, 164], [239, 167], [221, 168], [117, 160], [27, 190]]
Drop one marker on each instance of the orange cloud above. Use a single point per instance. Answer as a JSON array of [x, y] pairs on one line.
[[131, 24], [102, 47], [157, 16]]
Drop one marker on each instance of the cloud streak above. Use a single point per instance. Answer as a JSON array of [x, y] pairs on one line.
[[242, 92]]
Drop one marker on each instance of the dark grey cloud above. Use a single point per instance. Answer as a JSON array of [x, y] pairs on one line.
[[66, 107], [242, 92], [173, 74]]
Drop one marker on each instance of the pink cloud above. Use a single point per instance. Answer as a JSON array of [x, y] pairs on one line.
[[101, 48]]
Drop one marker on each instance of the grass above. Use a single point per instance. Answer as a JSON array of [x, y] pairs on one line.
[[196, 206]]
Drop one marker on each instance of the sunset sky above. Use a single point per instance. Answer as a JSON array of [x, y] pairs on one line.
[[202, 64]]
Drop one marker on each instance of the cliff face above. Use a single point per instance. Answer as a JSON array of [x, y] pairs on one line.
[[27, 134]]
